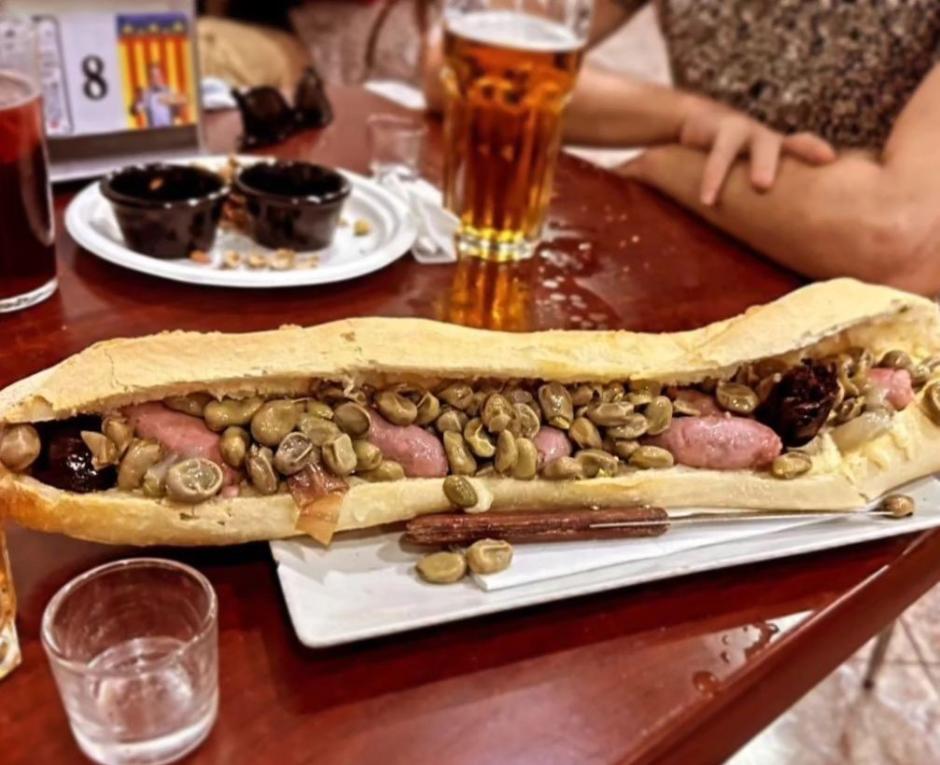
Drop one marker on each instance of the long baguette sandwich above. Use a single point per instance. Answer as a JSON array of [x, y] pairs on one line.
[[822, 399]]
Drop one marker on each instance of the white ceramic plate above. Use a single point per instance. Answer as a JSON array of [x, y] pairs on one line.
[[364, 585], [90, 221]]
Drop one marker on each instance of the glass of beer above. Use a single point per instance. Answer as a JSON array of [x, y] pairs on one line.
[[509, 72], [27, 252]]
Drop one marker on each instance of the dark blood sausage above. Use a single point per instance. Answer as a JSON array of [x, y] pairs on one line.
[[551, 444], [799, 404], [179, 433], [896, 384], [65, 461], [720, 443], [420, 454]]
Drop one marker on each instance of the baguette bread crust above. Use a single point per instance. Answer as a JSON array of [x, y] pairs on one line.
[[823, 316]]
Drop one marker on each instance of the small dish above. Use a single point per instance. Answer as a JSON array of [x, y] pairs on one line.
[[295, 205], [166, 211]]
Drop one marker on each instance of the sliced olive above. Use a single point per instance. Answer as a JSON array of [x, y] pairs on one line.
[[650, 388], [428, 409], [556, 405], [497, 413], [597, 462], [563, 469], [442, 567], [234, 445], [231, 411], [459, 491], [319, 409], [119, 430], [507, 452], [274, 420], [396, 408], [478, 439], [193, 480], [387, 471], [489, 556], [458, 455], [138, 458], [368, 455], [649, 457], [525, 421], [260, 466], [658, 415], [633, 427], [932, 402], [451, 420], [791, 465], [583, 395], [527, 459], [352, 418], [19, 447], [610, 414], [339, 455], [194, 403], [104, 451], [585, 433], [896, 359], [898, 505], [459, 395], [293, 453], [736, 398], [317, 429]]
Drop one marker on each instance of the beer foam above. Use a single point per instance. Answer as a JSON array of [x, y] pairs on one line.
[[512, 29]]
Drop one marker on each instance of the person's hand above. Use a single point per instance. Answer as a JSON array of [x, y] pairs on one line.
[[727, 135]]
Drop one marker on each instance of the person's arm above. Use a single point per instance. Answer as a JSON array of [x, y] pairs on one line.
[[872, 218], [614, 109]]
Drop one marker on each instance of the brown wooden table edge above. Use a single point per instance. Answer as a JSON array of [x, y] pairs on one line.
[[785, 671]]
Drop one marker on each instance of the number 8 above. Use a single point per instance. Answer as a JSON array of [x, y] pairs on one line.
[[94, 86]]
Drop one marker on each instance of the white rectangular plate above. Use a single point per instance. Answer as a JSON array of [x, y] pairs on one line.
[[365, 586]]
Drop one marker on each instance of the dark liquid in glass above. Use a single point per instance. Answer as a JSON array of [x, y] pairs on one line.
[[27, 252]]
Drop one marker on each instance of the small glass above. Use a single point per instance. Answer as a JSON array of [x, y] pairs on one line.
[[9, 646], [133, 646], [27, 248], [395, 144]]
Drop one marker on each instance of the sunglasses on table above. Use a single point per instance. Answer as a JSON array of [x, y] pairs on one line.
[[268, 118]]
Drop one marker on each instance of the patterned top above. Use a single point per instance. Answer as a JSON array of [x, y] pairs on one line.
[[843, 69]]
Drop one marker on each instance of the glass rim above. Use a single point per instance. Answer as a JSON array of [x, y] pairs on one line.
[[399, 121], [54, 650], [22, 26]]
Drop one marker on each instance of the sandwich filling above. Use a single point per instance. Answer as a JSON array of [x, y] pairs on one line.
[[770, 416]]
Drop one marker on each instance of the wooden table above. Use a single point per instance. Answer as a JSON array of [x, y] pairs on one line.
[[682, 671]]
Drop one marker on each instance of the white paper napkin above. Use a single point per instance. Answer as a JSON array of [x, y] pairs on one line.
[[436, 226], [535, 562]]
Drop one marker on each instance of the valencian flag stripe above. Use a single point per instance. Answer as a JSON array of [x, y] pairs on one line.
[[161, 39]]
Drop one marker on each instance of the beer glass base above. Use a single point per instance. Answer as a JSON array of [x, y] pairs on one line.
[[470, 245], [9, 648], [19, 302]]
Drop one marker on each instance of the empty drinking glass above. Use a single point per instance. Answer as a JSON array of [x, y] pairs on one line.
[[9, 647], [133, 646], [395, 143]]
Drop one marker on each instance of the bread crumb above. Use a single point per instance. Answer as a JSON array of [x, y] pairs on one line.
[[198, 256], [362, 227], [283, 259], [257, 260]]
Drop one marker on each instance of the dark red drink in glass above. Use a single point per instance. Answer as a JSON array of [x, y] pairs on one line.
[[27, 252]]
